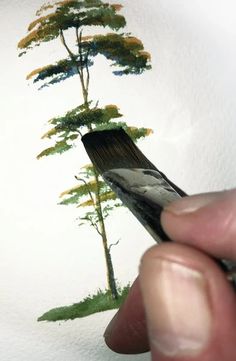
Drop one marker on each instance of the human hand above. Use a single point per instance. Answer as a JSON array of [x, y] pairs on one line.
[[182, 304]]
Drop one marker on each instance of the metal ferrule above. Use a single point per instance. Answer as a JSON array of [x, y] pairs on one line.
[[145, 192]]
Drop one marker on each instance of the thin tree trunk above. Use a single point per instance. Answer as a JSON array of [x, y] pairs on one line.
[[100, 228], [111, 282], [85, 85], [110, 270]]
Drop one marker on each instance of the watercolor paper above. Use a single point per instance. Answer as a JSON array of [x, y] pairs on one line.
[[187, 99]]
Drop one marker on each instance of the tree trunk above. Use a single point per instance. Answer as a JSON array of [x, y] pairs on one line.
[[110, 270], [111, 282]]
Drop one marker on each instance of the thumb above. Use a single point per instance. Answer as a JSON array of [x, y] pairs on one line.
[[190, 306], [205, 221]]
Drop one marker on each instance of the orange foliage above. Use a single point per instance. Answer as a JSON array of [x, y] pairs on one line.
[[86, 38], [37, 71], [51, 132], [76, 188], [117, 7], [90, 202], [149, 131], [133, 40], [44, 8], [111, 106], [145, 54], [23, 43], [64, 2], [40, 20]]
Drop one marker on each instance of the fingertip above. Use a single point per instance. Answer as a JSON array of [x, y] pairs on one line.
[[127, 332], [205, 221]]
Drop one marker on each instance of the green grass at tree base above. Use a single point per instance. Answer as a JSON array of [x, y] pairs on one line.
[[101, 301]]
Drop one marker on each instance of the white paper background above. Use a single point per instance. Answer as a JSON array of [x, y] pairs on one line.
[[188, 99]]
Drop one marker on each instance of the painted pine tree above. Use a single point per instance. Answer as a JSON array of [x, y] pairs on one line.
[[125, 54]]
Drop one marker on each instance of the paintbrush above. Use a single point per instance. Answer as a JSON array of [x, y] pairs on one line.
[[137, 182]]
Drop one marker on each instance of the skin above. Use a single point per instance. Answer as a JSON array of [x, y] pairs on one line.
[[203, 227]]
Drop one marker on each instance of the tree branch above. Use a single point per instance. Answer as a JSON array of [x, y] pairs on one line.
[[79, 41], [113, 244], [71, 54], [78, 37], [89, 192], [87, 71], [84, 87], [79, 133], [89, 219], [93, 202], [95, 226]]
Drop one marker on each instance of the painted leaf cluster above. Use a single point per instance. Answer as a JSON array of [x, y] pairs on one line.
[[80, 117], [63, 143], [87, 189], [125, 51], [84, 189], [84, 196], [70, 14], [54, 73], [69, 127]]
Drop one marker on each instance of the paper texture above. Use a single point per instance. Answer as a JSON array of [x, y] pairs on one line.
[[188, 99]]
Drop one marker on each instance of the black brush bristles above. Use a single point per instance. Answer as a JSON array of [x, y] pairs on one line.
[[110, 149]]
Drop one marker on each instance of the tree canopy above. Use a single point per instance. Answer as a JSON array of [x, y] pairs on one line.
[[125, 52], [70, 14]]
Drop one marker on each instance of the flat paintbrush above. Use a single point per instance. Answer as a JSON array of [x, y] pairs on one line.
[[136, 181]]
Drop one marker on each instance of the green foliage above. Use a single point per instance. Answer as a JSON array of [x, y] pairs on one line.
[[70, 14], [84, 195], [60, 71], [126, 52], [84, 189], [87, 171], [137, 133], [59, 148], [79, 118], [69, 127], [100, 302]]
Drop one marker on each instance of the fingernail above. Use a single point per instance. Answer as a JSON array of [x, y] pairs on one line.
[[191, 204], [177, 307]]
